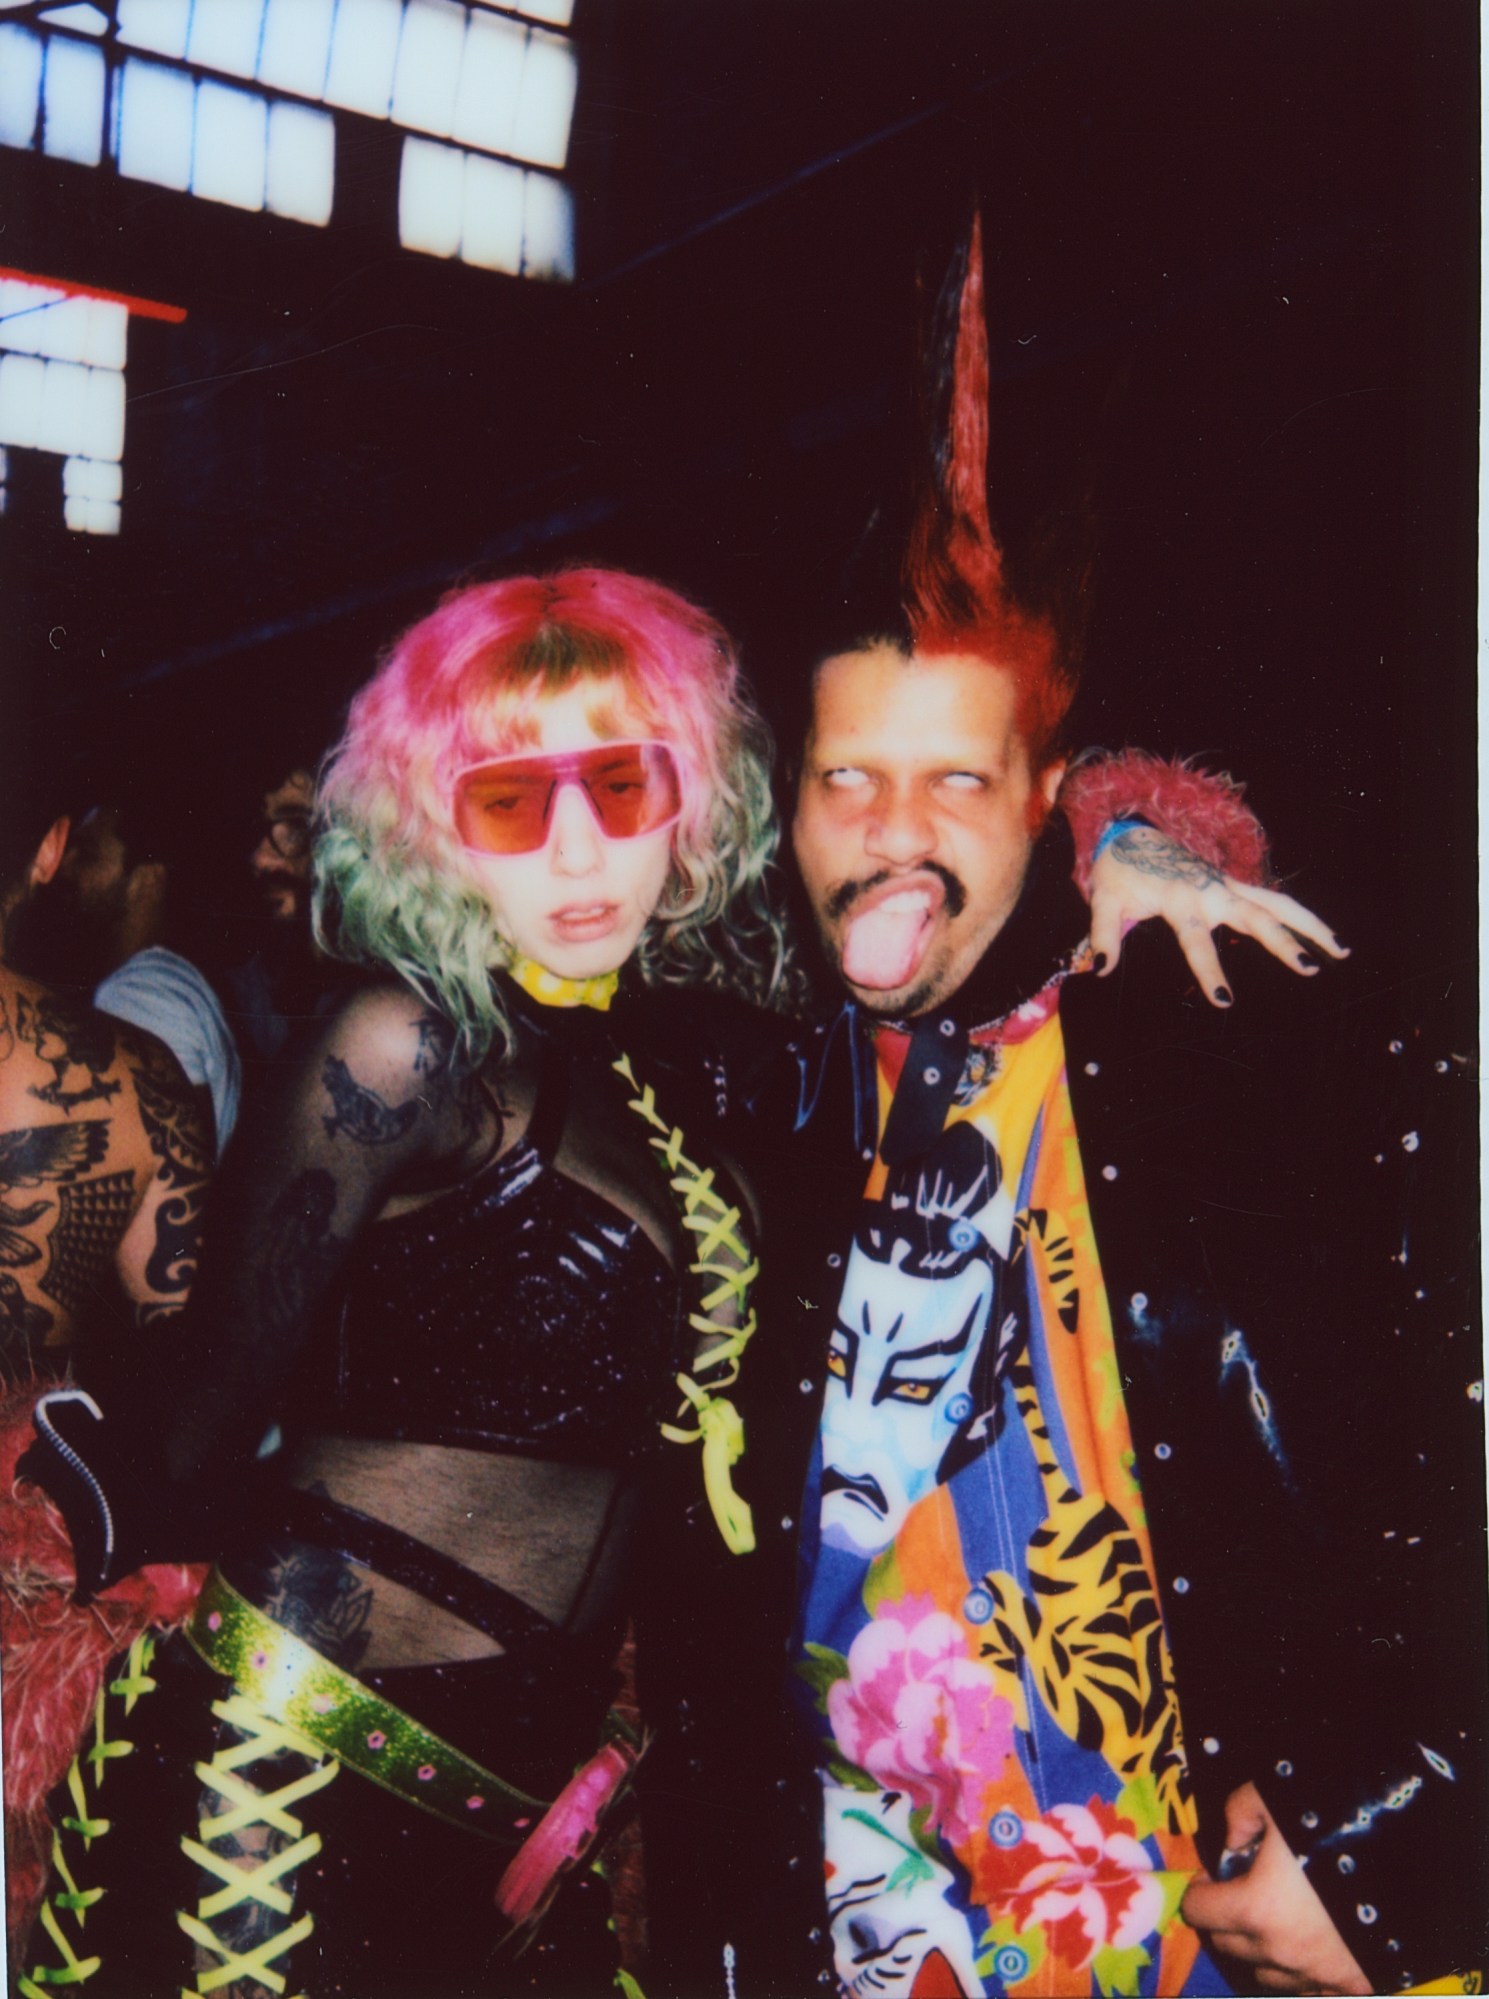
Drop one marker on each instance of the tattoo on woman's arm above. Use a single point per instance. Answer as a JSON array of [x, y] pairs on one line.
[[436, 1045], [359, 1112], [299, 1250]]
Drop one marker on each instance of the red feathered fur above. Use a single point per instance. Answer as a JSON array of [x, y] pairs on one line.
[[55, 1652], [1201, 810]]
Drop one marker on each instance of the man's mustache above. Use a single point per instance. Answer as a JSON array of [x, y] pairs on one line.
[[843, 897]]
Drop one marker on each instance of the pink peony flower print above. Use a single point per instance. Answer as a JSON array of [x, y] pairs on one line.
[[1079, 1871], [922, 1717]]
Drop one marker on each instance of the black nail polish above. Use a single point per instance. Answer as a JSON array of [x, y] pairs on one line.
[[1101, 961], [1223, 994], [1308, 962]]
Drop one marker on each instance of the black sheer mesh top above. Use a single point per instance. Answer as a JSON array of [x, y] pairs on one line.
[[529, 1310]]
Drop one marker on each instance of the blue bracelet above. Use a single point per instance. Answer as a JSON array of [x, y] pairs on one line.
[[1118, 826]]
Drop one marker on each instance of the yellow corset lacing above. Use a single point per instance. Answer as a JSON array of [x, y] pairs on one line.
[[263, 1737], [715, 1225], [85, 1823]]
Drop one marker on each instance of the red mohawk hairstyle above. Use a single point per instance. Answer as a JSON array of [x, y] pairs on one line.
[[953, 589]]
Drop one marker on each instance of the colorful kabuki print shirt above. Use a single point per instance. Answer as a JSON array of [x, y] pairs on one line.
[[1006, 1797]]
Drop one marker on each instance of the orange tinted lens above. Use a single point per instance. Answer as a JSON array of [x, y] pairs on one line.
[[499, 810], [632, 787], [504, 807]]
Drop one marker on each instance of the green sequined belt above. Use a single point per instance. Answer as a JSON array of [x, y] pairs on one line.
[[301, 1688]]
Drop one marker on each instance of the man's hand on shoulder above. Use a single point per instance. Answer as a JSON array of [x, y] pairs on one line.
[[1143, 873], [1270, 1919]]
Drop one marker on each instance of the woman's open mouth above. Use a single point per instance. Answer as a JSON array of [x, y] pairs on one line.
[[583, 922]]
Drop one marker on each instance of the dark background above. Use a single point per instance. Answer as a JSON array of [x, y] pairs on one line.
[[1234, 301], [1233, 283]]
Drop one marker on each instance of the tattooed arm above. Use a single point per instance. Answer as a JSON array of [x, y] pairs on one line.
[[371, 1109], [157, 1255], [101, 1170]]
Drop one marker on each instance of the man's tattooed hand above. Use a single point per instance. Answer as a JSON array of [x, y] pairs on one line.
[[1154, 853], [1143, 873]]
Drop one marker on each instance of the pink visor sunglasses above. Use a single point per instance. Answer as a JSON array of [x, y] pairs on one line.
[[505, 805]]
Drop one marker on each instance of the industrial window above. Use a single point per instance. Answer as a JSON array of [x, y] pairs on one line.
[[136, 81], [62, 352]]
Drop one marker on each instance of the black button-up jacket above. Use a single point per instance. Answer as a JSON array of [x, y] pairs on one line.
[[1284, 1200]]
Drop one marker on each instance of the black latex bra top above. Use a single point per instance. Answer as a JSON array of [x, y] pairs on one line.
[[520, 1312]]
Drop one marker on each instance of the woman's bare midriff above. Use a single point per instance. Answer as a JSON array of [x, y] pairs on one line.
[[525, 1523]]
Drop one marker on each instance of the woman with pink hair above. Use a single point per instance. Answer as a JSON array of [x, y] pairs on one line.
[[476, 1263]]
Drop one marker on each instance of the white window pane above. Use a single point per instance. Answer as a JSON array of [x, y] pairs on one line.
[[91, 516], [296, 46], [155, 119], [160, 25], [65, 327], [83, 20], [92, 479], [492, 236], [60, 331], [20, 85], [21, 382], [364, 47], [64, 421], [429, 65], [302, 162], [225, 35], [103, 435], [72, 124], [23, 319], [431, 191], [490, 83], [108, 330], [231, 144], [549, 77], [548, 228]]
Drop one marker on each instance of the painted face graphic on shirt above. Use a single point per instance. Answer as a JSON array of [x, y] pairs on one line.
[[887, 1901], [923, 1311]]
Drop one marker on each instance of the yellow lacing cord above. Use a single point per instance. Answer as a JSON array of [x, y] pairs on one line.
[[715, 1225], [263, 1737], [85, 1824]]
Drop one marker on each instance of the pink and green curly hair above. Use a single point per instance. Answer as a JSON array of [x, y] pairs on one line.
[[395, 887]]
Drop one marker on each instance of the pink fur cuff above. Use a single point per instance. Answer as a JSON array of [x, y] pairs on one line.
[[1203, 811]]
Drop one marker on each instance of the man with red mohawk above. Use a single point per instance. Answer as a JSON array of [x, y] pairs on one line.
[[1081, 1567], [1074, 1565]]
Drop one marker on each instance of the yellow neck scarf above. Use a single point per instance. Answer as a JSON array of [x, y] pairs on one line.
[[549, 989]]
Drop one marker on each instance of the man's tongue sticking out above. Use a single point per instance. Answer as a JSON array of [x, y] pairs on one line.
[[887, 939]]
